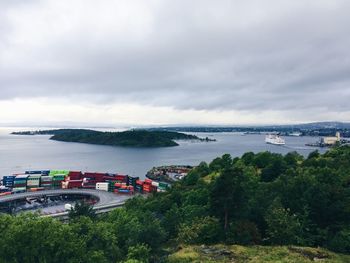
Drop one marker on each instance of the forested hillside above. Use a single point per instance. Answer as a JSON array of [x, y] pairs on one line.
[[259, 199]]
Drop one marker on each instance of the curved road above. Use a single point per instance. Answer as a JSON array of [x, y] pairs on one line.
[[105, 198]]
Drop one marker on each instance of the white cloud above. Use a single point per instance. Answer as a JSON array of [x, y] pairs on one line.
[[210, 61]]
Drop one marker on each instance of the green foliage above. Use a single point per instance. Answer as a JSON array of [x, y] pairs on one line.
[[262, 198], [243, 232], [140, 252], [28, 238], [81, 208], [205, 230], [283, 226], [341, 241]]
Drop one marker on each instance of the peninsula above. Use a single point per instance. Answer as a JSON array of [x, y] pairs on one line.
[[130, 138]]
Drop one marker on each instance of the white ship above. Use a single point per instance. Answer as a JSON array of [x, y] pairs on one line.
[[295, 134], [274, 139]]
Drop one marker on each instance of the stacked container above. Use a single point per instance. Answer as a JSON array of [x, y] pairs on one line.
[[111, 186], [90, 180], [118, 185], [20, 181], [148, 187], [57, 180], [74, 179], [58, 176], [102, 186], [132, 180], [124, 189], [121, 178], [4, 189], [8, 181], [33, 181], [162, 187], [72, 184], [139, 186], [46, 182], [73, 175]]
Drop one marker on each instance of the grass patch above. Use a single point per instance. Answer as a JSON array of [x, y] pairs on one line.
[[255, 254]]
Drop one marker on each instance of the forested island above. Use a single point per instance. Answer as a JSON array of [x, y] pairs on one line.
[[130, 138], [262, 207]]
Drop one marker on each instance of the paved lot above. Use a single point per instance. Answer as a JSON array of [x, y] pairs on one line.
[[105, 198]]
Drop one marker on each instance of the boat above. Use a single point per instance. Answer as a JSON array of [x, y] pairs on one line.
[[295, 134], [274, 139]]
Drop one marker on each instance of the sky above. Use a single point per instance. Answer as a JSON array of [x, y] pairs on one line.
[[150, 62]]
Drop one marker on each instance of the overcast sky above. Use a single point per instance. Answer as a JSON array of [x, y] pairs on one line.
[[174, 62]]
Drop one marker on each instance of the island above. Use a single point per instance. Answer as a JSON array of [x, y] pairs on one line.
[[130, 138]]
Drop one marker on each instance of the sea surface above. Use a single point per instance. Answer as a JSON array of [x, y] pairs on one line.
[[20, 153]]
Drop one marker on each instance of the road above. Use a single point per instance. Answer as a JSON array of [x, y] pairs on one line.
[[104, 198]]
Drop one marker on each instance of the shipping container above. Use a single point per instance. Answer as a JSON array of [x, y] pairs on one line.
[[102, 186], [19, 190], [36, 189], [155, 183], [8, 181], [74, 175], [124, 191], [20, 181], [33, 180], [148, 181], [39, 172], [5, 193], [139, 189], [59, 172], [4, 189], [139, 182], [72, 184]]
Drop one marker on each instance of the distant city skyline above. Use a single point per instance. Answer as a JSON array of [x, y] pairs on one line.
[[134, 63]]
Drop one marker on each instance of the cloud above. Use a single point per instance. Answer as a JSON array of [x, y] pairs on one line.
[[213, 56]]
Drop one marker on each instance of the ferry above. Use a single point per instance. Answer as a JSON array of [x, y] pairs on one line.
[[274, 139], [295, 134]]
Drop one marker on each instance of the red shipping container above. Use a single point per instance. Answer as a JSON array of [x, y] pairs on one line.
[[123, 178], [148, 181], [139, 182], [74, 184], [74, 175]]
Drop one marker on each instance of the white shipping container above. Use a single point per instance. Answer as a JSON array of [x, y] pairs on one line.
[[155, 183], [102, 189], [102, 186]]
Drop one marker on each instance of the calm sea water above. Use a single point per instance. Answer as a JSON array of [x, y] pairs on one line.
[[20, 153]]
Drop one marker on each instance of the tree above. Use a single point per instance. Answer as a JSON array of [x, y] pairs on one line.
[[139, 252], [229, 194], [274, 169], [284, 228], [82, 209]]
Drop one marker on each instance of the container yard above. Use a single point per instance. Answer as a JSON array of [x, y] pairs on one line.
[[31, 181]]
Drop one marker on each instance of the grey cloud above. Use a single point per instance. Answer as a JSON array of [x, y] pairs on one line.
[[240, 55]]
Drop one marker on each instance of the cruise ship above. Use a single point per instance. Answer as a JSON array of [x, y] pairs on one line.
[[274, 139]]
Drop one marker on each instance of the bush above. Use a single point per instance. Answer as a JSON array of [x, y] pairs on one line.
[[205, 230], [284, 228], [341, 241], [244, 233], [140, 253]]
